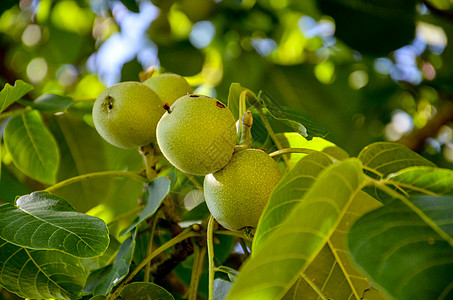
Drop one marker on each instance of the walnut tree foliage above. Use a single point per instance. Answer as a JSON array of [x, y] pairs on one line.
[[363, 210]]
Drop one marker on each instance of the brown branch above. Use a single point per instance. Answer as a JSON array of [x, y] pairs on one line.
[[416, 139]]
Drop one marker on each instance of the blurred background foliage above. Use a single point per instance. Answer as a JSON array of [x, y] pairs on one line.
[[365, 70]]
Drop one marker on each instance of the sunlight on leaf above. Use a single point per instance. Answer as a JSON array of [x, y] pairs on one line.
[[285, 195], [273, 268], [10, 94], [385, 158], [32, 147], [44, 221]]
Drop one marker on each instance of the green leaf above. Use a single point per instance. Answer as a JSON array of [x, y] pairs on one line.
[[131, 5], [295, 140], [50, 103], [10, 94], [384, 158], [286, 194], [44, 221], [407, 247], [295, 119], [32, 147], [93, 263], [275, 266], [39, 274], [423, 180], [119, 270], [157, 190], [233, 98], [332, 271], [143, 290]]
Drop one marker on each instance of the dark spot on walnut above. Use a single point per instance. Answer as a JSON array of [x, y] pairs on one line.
[[219, 104], [194, 96]]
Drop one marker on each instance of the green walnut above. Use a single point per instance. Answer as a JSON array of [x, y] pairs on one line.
[[169, 87], [237, 194], [126, 114], [197, 135]]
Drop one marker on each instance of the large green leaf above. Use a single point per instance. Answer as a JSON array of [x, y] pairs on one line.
[[157, 190], [119, 270], [10, 94], [407, 247], [287, 195], [145, 290], [44, 221], [39, 274], [32, 147], [273, 268], [384, 158], [423, 180]]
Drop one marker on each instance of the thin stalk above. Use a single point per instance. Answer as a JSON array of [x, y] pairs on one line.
[[233, 233], [197, 270], [291, 150], [69, 181], [271, 133], [149, 249], [211, 266], [187, 233]]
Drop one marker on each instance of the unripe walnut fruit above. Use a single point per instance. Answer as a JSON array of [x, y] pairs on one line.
[[126, 114], [169, 87], [197, 135], [237, 194]]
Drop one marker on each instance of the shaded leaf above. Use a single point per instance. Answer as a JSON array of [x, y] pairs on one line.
[[10, 94], [32, 147], [40, 274], [145, 290], [384, 158], [44, 221], [423, 180], [365, 24], [221, 289], [119, 270], [275, 266], [407, 250], [157, 190], [287, 194], [50, 103], [233, 98], [98, 262], [295, 119], [131, 5]]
